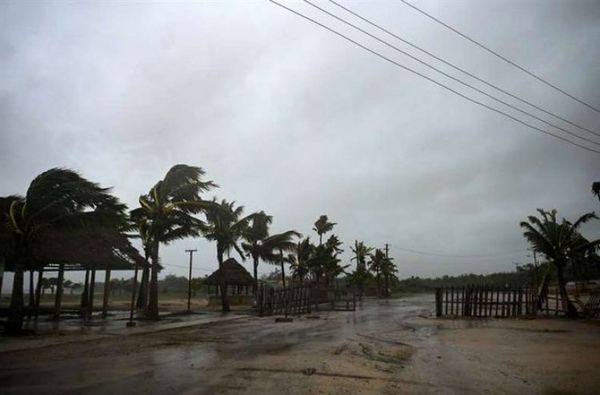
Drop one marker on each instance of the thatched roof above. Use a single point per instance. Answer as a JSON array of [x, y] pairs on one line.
[[88, 249], [235, 274]]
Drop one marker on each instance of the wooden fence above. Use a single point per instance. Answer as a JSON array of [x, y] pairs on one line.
[[485, 301], [292, 300], [333, 299]]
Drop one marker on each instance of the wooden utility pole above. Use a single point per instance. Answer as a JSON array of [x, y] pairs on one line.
[[387, 280], [191, 252]]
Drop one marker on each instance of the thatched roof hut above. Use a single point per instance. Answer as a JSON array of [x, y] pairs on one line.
[[235, 274]]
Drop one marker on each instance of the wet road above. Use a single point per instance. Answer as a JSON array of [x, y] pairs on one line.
[[385, 347], [228, 356]]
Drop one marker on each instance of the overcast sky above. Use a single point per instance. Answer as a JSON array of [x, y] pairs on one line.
[[290, 119]]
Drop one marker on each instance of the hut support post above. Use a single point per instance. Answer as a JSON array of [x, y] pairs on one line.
[[84, 294], [106, 294], [31, 291], [59, 291], [134, 289], [91, 297], [38, 291]]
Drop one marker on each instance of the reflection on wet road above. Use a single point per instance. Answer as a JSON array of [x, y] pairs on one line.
[[203, 358]]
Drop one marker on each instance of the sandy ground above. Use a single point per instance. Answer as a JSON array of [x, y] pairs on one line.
[[386, 347]]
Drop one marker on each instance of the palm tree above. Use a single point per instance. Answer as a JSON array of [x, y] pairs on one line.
[[57, 201], [167, 212], [274, 247], [560, 242], [376, 265], [361, 252], [388, 269], [322, 226], [226, 226], [144, 235], [360, 275], [254, 236], [300, 260]]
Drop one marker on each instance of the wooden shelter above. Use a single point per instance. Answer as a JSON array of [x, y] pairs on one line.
[[88, 250], [238, 280]]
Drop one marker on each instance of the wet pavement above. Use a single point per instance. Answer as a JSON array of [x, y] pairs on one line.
[[196, 357], [388, 346]]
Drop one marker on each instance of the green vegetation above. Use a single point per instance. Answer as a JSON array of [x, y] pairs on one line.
[[64, 219], [166, 213], [562, 244]]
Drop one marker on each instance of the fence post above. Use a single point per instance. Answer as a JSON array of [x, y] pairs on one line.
[[438, 302]]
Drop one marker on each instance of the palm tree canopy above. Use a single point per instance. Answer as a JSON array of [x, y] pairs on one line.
[[226, 226], [166, 211], [58, 202], [558, 241], [259, 229], [377, 260], [596, 189], [322, 225], [361, 252]]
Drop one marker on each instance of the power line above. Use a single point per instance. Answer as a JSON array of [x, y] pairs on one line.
[[185, 267], [439, 254], [465, 71], [500, 56], [450, 76], [432, 80]]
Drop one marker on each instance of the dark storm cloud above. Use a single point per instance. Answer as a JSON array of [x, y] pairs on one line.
[[292, 120]]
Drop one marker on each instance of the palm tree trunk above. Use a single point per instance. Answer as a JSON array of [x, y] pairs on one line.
[[222, 282], [14, 324], [569, 308], [387, 284], [142, 299], [152, 308], [255, 275], [31, 291], [59, 291], [378, 278], [282, 274]]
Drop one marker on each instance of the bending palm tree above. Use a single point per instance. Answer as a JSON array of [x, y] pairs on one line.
[[274, 247], [226, 226], [361, 253], [560, 242], [167, 212], [376, 265], [323, 226], [57, 201], [254, 236], [300, 260]]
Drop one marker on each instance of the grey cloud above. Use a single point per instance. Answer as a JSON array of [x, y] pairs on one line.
[[292, 120]]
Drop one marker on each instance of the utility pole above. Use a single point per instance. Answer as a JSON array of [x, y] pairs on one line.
[[191, 252], [387, 274]]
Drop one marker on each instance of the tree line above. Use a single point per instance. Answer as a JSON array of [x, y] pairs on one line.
[[65, 219]]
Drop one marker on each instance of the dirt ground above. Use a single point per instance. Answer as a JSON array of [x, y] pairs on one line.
[[385, 347]]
